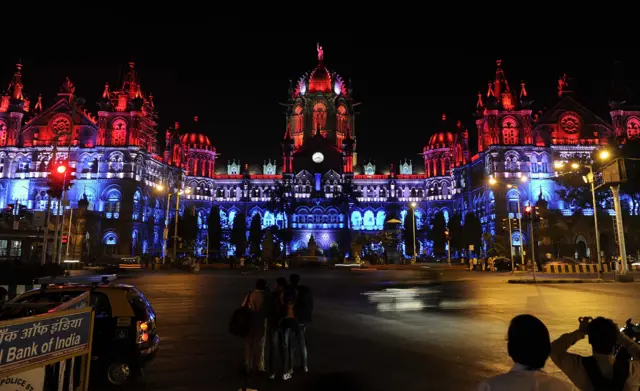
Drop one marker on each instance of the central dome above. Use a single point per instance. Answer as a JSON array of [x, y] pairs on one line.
[[441, 139], [195, 139], [320, 80]]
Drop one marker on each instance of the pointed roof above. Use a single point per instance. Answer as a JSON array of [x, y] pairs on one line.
[[16, 86], [131, 85], [590, 122]]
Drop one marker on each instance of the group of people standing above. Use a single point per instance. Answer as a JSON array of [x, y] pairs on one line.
[[279, 319], [529, 346]]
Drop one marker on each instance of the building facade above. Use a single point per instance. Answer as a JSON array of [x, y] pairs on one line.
[[120, 164]]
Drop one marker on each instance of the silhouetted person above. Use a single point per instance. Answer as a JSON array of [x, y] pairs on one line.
[[255, 341], [600, 371], [528, 345], [303, 310]]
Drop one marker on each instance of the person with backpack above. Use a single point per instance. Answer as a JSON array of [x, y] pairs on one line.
[[275, 314], [303, 310], [256, 301], [600, 371]]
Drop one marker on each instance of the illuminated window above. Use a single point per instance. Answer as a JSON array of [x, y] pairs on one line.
[[112, 207], [319, 116], [298, 119], [3, 134], [136, 205], [510, 131], [119, 132], [633, 127], [342, 119]]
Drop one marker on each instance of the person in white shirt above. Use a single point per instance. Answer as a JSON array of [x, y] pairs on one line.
[[601, 371], [529, 345]]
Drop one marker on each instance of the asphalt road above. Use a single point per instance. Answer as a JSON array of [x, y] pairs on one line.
[[382, 339]]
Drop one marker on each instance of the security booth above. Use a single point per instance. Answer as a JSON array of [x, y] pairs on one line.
[[49, 350]]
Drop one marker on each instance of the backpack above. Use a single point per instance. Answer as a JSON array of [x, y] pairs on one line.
[[304, 304], [601, 383], [240, 323]]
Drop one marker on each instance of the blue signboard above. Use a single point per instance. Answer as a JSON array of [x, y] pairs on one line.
[[39, 340]]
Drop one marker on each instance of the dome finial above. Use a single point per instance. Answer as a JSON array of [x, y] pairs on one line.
[[320, 52], [444, 116], [195, 118]]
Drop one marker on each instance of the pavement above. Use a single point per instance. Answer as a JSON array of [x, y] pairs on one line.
[[369, 325]]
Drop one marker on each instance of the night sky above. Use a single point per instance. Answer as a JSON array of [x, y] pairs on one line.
[[235, 86]]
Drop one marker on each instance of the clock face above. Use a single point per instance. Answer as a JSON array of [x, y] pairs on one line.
[[317, 157]]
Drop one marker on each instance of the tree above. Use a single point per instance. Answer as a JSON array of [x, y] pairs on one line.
[[255, 234], [456, 240], [214, 230], [239, 234], [268, 246], [495, 245], [344, 200], [281, 200], [188, 228], [472, 232], [410, 239], [437, 233]]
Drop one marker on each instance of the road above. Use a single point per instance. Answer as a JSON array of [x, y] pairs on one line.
[[433, 349]]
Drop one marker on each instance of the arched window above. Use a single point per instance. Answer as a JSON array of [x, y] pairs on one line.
[[356, 220], [136, 205], [534, 163], [319, 116], [633, 128], [119, 132], [369, 220], [110, 241], [510, 131], [116, 162], [544, 165], [3, 134], [298, 119], [112, 207]]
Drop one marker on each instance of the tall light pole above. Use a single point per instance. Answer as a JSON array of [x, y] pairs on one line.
[[165, 234], [413, 223], [604, 155], [175, 228], [523, 179]]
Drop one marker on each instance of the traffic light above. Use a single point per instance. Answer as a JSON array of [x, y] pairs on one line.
[[59, 180], [528, 213]]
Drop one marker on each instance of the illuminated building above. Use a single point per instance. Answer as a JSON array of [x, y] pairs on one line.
[[118, 169]]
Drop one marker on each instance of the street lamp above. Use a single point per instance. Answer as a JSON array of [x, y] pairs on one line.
[[166, 219], [413, 223], [590, 178], [523, 179]]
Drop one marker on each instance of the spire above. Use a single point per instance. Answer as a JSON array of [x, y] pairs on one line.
[[523, 90], [480, 103], [195, 118], [563, 83], [151, 103], [15, 87], [106, 94], [317, 128], [131, 85], [444, 116], [38, 107], [490, 90], [67, 89]]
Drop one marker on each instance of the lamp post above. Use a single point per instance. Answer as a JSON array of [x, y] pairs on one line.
[[523, 179], [166, 220], [413, 223], [175, 228], [446, 232], [604, 155]]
